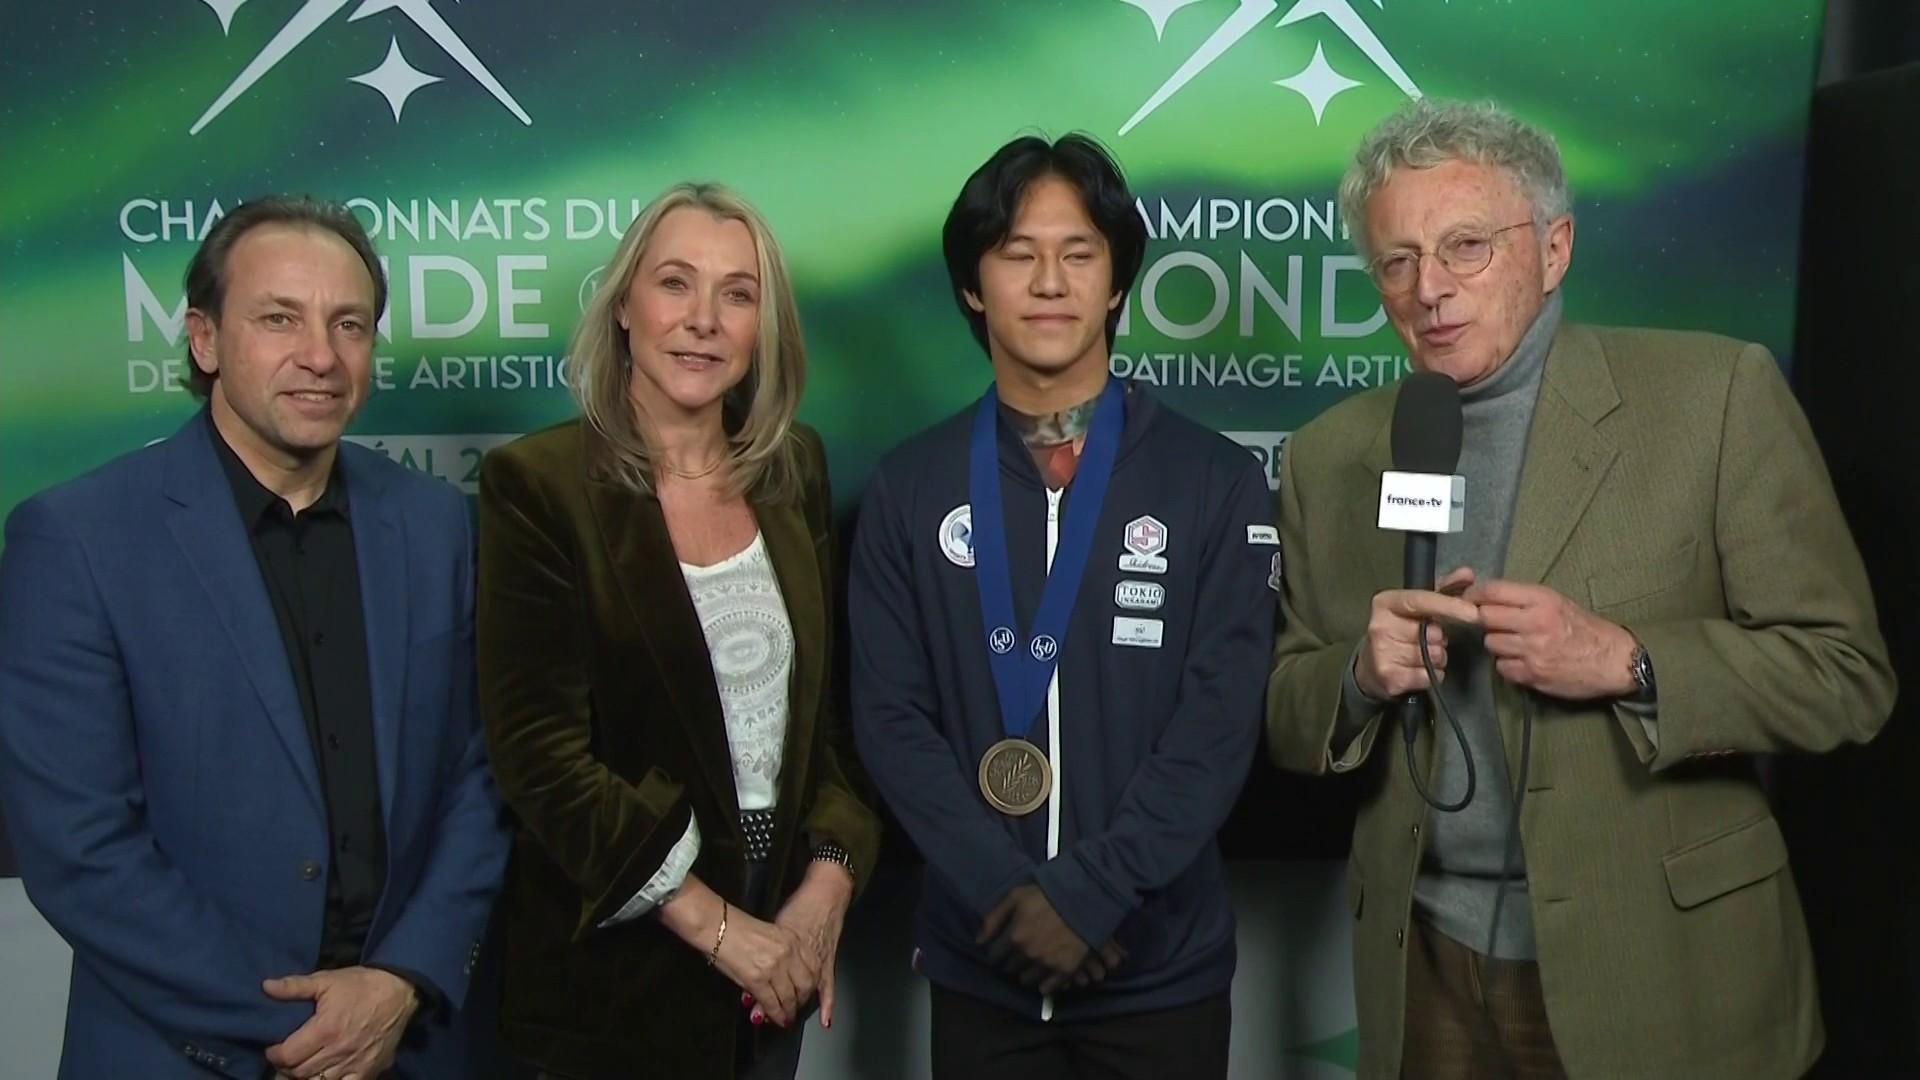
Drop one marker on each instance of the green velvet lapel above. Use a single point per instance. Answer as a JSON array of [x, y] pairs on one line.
[[796, 564], [643, 560], [640, 552]]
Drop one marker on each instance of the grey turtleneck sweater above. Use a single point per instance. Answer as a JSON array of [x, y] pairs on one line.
[[1462, 869]]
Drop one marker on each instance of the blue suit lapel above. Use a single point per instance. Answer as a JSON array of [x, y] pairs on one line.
[[206, 524], [380, 549]]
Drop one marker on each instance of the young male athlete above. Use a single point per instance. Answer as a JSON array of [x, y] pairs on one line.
[[1061, 621]]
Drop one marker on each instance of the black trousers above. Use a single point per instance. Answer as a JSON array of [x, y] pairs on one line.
[[973, 1040]]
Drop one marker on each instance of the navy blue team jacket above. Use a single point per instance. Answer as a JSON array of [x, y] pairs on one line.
[[1150, 739]]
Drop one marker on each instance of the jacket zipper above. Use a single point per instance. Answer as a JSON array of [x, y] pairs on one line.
[[1053, 722]]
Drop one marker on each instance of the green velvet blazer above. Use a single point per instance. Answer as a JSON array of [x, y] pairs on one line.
[[606, 734]]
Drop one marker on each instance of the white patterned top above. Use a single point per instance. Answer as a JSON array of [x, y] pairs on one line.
[[750, 640], [750, 643]]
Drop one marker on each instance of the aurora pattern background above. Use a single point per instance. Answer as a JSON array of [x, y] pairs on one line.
[[527, 133], [851, 123]]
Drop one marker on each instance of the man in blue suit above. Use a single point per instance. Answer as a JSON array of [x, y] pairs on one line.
[[239, 753]]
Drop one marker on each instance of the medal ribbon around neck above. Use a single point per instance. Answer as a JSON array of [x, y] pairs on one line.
[[1023, 664]]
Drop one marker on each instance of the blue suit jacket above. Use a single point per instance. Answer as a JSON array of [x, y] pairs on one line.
[[157, 776]]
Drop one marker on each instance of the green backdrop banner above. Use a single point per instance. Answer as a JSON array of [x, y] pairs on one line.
[[496, 151]]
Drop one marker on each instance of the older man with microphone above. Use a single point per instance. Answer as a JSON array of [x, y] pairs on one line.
[[1571, 867]]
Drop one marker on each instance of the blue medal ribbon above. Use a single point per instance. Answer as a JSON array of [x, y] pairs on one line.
[[1023, 665]]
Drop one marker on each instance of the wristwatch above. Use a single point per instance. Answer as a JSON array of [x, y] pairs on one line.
[[1640, 666], [834, 853]]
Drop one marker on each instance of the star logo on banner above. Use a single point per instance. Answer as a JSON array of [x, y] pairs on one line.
[[395, 77], [224, 9], [1318, 82], [1157, 10]]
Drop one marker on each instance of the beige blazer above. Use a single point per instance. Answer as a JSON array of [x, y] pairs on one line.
[[1671, 485]]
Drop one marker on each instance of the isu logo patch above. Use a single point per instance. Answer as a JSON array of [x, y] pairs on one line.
[[956, 535]]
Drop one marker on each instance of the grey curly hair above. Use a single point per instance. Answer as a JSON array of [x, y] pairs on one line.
[[1427, 132]]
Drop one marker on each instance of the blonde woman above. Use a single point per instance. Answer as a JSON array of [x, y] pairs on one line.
[[655, 633]]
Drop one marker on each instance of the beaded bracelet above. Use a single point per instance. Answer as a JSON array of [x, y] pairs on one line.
[[831, 852]]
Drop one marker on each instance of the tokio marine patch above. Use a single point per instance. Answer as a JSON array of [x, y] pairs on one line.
[[1139, 595]]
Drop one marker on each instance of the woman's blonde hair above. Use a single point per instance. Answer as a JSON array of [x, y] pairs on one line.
[[758, 412]]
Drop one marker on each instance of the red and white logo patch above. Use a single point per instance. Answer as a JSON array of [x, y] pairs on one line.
[[1146, 536]]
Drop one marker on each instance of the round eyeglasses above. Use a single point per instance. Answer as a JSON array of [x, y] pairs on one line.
[[1463, 254]]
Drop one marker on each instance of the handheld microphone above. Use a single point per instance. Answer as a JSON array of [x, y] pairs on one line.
[[1423, 497], [1420, 496]]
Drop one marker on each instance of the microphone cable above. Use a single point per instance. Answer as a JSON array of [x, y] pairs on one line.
[[1410, 732]]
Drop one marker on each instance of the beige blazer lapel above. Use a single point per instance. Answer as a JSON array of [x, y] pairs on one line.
[[1566, 459], [1567, 456]]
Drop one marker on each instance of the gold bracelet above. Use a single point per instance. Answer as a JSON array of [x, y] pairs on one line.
[[719, 937]]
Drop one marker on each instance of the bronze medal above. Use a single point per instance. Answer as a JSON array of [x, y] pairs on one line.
[[1015, 777]]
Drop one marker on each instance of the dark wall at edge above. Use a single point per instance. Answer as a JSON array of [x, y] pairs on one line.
[[1848, 815]]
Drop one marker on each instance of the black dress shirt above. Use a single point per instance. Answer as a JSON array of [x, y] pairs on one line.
[[312, 577]]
